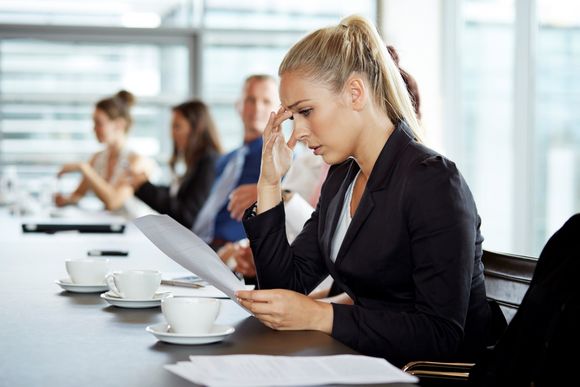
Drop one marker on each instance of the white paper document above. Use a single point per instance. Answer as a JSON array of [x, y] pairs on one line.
[[259, 370], [208, 291], [187, 249]]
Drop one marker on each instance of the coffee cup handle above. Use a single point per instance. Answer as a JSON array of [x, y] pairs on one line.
[[112, 286]]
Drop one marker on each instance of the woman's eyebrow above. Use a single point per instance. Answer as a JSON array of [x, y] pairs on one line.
[[296, 103]]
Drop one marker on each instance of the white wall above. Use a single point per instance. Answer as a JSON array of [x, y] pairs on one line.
[[413, 27]]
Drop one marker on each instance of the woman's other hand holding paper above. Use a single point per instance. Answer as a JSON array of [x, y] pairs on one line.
[[287, 310]]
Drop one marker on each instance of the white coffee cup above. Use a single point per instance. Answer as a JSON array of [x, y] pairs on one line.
[[87, 271], [190, 315], [134, 284]]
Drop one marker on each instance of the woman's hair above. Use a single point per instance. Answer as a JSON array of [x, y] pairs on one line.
[[332, 54], [118, 106], [410, 82], [203, 136]]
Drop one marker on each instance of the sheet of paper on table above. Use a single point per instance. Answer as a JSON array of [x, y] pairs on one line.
[[261, 370]]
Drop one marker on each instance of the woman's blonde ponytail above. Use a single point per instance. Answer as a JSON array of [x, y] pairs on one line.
[[332, 54]]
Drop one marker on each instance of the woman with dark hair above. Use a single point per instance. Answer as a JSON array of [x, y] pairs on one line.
[[105, 173], [196, 147], [410, 82]]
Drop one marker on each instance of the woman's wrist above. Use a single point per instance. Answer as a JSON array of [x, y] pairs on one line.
[[323, 320], [73, 199], [269, 196], [263, 185], [83, 167]]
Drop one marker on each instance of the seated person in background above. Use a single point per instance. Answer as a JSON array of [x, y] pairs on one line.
[[196, 148], [241, 166], [105, 173], [396, 225], [301, 187], [304, 178]]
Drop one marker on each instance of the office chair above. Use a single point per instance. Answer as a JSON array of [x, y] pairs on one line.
[[507, 278]]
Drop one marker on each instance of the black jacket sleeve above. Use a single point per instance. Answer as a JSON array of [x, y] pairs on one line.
[[192, 194], [299, 267]]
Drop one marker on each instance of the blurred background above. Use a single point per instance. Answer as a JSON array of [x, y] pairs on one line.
[[499, 83]]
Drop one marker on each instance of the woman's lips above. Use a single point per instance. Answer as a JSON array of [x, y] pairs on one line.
[[317, 150]]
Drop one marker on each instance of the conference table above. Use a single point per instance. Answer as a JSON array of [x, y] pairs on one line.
[[51, 337]]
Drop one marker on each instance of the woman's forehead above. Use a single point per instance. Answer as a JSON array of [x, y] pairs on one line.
[[297, 87]]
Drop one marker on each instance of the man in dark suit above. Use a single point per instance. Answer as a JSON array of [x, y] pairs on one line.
[[241, 166]]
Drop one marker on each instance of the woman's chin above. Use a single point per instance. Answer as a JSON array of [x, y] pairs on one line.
[[331, 159]]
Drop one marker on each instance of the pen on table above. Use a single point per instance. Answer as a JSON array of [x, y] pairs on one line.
[[184, 284], [113, 253]]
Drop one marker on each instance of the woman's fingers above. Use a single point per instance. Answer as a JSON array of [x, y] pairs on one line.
[[270, 321], [275, 121], [274, 127], [269, 145], [275, 154], [258, 295], [280, 117], [246, 295], [259, 308], [281, 309], [269, 126]]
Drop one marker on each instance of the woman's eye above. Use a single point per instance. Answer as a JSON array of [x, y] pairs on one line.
[[305, 112]]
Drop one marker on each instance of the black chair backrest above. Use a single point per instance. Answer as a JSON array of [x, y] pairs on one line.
[[507, 278], [540, 345]]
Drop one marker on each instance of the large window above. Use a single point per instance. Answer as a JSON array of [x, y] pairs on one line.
[[247, 36], [49, 89], [557, 137], [222, 82], [57, 58], [487, 96], [110, 13], [519, 138]]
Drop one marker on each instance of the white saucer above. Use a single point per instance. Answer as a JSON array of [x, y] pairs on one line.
[[67, 284], [130, 303], [217, 333]]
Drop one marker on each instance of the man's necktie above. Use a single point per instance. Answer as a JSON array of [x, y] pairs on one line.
[[204, 226]]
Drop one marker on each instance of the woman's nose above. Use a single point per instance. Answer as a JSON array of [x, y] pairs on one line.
[[299, 133]]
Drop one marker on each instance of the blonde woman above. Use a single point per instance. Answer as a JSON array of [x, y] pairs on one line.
[[396, 225]]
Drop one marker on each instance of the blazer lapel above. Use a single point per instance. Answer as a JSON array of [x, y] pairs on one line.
[[333, 212], [363, 211], [378, 180]]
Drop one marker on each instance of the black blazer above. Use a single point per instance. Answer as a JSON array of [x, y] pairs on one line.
[[410, 260], [192, 194]]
